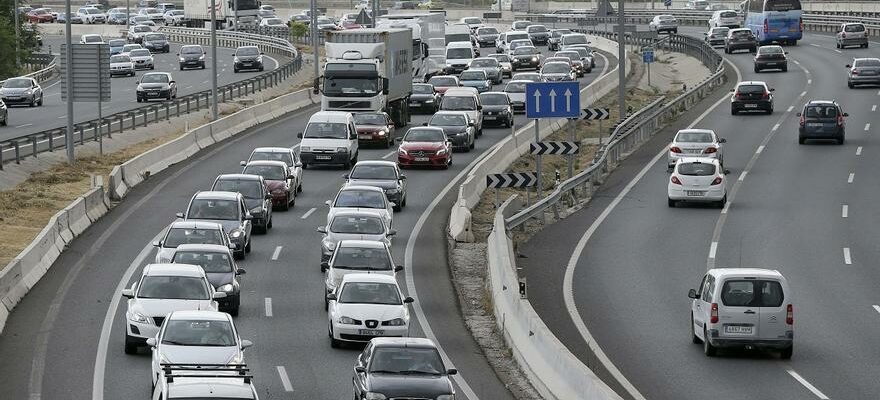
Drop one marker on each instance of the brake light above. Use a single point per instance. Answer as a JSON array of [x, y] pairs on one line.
[[765, 96], [854, 71], [738, 95], [789, 315], [717, 181], [802, 25], [766, 26], [675, 180], [802, 121], [675, 149], [843, 35], [713, 316], [839, 120], [709, 150]]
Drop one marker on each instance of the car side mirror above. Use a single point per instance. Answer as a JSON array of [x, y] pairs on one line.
[[471, 123], [248, 217], [128, 293], [240, 271], [291, 176], [848, 66], [157, 243], [398, 268], [172, 83], [321, 229], [179, 215], [151, 342], [726, 172], [344, 176], [722, 140], [391, 233], [242, 163], [233, 246], [331, 296], [299, 135], [772, 89], [425, 123], [692, 294], [298, 164], [846, 114], [353, 136], [325, 266], [219, 295], [246, 343], [328, 203], [451, 371], [402, 177], [360, 369], [268, 196], [798, 114]]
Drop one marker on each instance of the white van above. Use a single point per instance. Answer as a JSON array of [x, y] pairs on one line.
[[743, 307], [330, 137], [503, 43], [466, 100], [458, 56]]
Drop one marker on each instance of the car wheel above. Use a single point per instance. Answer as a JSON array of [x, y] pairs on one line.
[[694, 338], [247, 247], [4, 122], [785, 68], [168, 97], [850, 85], [732, 111], [722, 202], [841, 140], [670, 202], [333, 342], [238, 255], [233, 310], [865, 45], [398, 207], [471, 147], [235, 70], [801, 140], [770, 111], [708, 349], [757, 70], [837, 45], [181, 67], [286, 205], [786, 353], [130, 346], [138, 99]]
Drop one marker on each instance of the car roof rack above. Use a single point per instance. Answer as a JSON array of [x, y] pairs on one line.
[[237, 371]]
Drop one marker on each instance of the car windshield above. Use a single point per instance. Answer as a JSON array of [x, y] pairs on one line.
[[283, 156], [211, 262], [151, 10], [448, 120], [249, 188], [443, 81], [456, 103], [423, 89], [517, 36], [154, 36], [741, 34], [369, 293], [694, 137], [358, 225], [751, 293], [521, 24], [750, 89], [92, 39], [559, 32], [494, 99], [152, 78], [130, 47], [369, 119], [867, 62], [854, 28], [268, 172], [213, 209], [473, 76], [696, 169], [93, 11], [17, 83], [179, 236], [116, 42], [515, 87], [119, 59], [374, 259], [823, 111], [536, 28], [528, 76], [247, 51], [406, 360], [459, 53], [728, 14], [368, 171], [487, 31], [484, 63], [473, 21], [190, 50], [502, 57], [720, 31], [556, 68], [525, 50], [360, 199], [574, 39], [326, 130], [199, 333], [173, 287], [143, 53], [424, 135]]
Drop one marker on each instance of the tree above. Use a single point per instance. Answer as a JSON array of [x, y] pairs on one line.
[[12, 49]]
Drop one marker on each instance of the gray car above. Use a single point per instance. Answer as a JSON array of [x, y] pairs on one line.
[[189, 232], [553, 43], [739, 39], [457, 126], [247, 57], [486, 36], [256, 196], [539, 34], [191, 56], [227, 209], [4, 114], [156, 85], [382, 174], [488, 64], [21, 91], [354, 225], [863, 71], [476, 78], [220, 269], [156, 42]]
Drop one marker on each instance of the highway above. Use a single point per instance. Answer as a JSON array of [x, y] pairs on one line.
[[67, 333], [53, 114], [629, 260]]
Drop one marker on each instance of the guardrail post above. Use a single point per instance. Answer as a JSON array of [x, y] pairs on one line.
[[1, 157], [155, 115], [34, 145], [167, 111], [82, 139], [145, 117], [51, 138], [17, 152]]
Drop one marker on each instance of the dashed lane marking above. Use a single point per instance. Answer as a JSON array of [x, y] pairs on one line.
[[277, 252], [844, 211], [847, 256], [268, 302], [306, 215], [807, 385], [851, 177], [285, 380]]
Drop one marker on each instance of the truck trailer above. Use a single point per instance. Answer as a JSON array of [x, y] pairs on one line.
[[428, 30], [198, 12]]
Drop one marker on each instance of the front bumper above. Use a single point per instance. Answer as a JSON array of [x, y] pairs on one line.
[[356, 333], [422, 105], [543, 40], [248, 65], [454, 69], [426, 161], [279, 199], [496, 118], [324, 158], [153, 94], [372, 138], [518, 106], [24, 99], [525, 64], [192, 63], [143, 65], [714, 193], [127, 71]]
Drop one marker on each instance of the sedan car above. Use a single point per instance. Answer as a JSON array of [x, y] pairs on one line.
[[40, 15], [516, 91], [424, 146], [374, 128], [557, 71], [863, 71], [354, 225], [526, 57], [497, 109], [695, 143], [553, 42], [488, 64], [486, 36], [539, 34], [664, 23], [280, 180], [424, 98], [574, 58], [381, 174], [121, 64], [715, 36], [155, 85], [220, 269], [697, 179], [477, 79], [142, 59], [357, 256], [365, 306], [752, 96], [156, 42], [136, 32], [366, 198], [402, 368], [247, 57], [116, 46], [442, 83], [256, 195], [74, 18], [129, 47], [771, 57], [227, 209], [822, 119], [91, 39], [739, 39], [459, 129], [191, 56], [21, 90], [189, 232], [504, 62], [586, 53]]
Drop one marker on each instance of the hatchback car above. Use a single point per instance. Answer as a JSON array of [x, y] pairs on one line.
[[424, 98], [116, 46], [695, 143], [516, 91], [739, 39], [424, 146], [357, 256], [402, 368], [664, 23], [488, 64], [557, 71], [282, 183], [189, 232], [486, 36], [574, 59], [283, 154], [256, 195], [142, 58], [743, 307], [528, 76], [457, 127], [526, 57], [771, 57], [697, 179], [442, 83], [247, 58], [385, 175], [477, 79], [365, 306], [822, 119], [863, 71], [155, 85], [751, 96], [354, 224], [724, 18], [553, 42], [21, 90], [374, 128], [504, 62], [220, 269], [356, 198], [852, 34], [539, 34], [497, 109], [191, 56], [227, 209], [120, 64], [715, 36], [156, 42]]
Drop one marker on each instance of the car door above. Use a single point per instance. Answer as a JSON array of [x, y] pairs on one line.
[[738, 308], [773, 310], [360, 378], [401, 180], [699, 308], [245, 223]]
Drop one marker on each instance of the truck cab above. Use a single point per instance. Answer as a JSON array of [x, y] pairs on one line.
[[330, 137]]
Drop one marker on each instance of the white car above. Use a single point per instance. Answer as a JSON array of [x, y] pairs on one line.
[[173, 17], [91, 15], [196, 337], [743, 307], [189, 232], [120, 64], [697, 179], [472, 22], [154, 14], [142, 59], [695, 143], [365, 306], [164, 288], [354, 198], [664, 23], [91, 39], [361, 225], [724, 18], [231, 382], [353, 256], [272, 21], [516, 90], [502, 44], [136, 32]]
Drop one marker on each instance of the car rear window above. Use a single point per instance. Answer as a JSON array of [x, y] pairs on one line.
[[867, 62], [825, 111], [696, 169], [750, 89], [745, 34], [728, 14], [694, 137], [752, 293], [854, 28]]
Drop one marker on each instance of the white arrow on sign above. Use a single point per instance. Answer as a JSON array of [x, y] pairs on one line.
[[553, 100], [537, 101], [567, 100]]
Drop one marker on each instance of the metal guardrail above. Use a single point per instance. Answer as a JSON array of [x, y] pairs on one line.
[[54, 139], [634, 130], [44, 74]]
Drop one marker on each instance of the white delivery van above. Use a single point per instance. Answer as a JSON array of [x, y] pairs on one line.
[[458, 56], [466, 100], [330, 137]]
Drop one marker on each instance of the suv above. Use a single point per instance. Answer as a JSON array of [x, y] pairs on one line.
[[662, 23], [738, 39], [255, 191], [771, 57], [852, 34], [742, 307], [822, 119], [466, 100], [388, 367], [751, 96], [227, 209], [231, 381], [863, 71]]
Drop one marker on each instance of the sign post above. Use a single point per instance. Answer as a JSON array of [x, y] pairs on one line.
[[551, 100], [648, 58], [86, 79]]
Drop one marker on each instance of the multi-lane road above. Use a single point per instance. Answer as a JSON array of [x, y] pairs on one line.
[[66, 336], [807, 210], [53, 113]]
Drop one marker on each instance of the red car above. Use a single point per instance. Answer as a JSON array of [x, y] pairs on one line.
[[443, 82], [279, 181], [40, 15], [374, 128], [425, 146]]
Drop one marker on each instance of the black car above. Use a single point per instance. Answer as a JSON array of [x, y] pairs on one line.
[[822, 119], [220, 269], [526, 57], [256, 196], [539, 34], [247, 57], [402, 368], [771, 57], [497, 109], [486, 36], [424, 98], [156, 42], [191, 56], [382, 174], [751, 96], [156, 85], [739, 39], [457, 127]]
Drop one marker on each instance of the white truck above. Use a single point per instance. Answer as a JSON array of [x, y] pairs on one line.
[[198, 12], [428, 31], [368, 70]]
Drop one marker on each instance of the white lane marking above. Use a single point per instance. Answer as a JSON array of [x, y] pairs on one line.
[[795, 61], [789, 108], [876, 307], [775, 127], [760, 149], [868, 126], [859, 150], [63, 116], [306, 215], [844, 211], [878, 93], [815, 45], [46, 87], [285, 380], [838, 51], [713, 248], [809, 81], [277, 252], [851, 177], [847, 257], [726, 208], [385, 157], [268, 302], [804, 93], [806, 384], [273, 60], [188, 87], [874, 107], [742, 176], [24, 125]]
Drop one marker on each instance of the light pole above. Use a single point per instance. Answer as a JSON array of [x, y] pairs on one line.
[[235, 13], [313, 32], [17, 32], [621, 55], [68, 71], [213, 59]]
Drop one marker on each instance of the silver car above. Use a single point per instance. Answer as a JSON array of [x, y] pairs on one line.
[[227, 209], [21, 90], [852, 34], [353, 225], [504, 62], [557, 71], [516, 90], [695, 143], [189, 232], [142, 59], [490, 65], [121, 64], [863, 71]]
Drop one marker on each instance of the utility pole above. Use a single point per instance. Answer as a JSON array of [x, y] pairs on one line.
[[235, 13], [68, 71], [214, 57], [127, 14], [375, 13], [17, 32], [313, 29], [621, 63]]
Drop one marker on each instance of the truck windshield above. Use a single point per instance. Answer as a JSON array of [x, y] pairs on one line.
[[245, 4], [350, 80]]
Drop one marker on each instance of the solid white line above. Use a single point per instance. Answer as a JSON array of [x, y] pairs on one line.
[[878, 93], [726, 208], [874, 107], [809, 81], [815, 45], [277, 252], [760, 149], [385, 157], [844, 211], [847, 257], [63, 116], [838, 51], [742, 176], [306, 215], [859, 150], [804, 93], [24, 125], [268, 302], [285, 380], [713, 248], [868, 126], [851, 177], [775, 127], [806, 384], [789, 108], [876, 307], [44, 88]]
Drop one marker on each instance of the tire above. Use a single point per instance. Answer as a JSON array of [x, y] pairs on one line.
[[398, 207], [670, 203], [5, 121], [181, 67], [41, 99], [708, 349], [865, 45], [269, 224], [403, 202], [694, 338], [837, 45], [785, 68], [786, 353], [732, 111], [850, 85], [138, 99], [247, 247], [238, 255], [471, 147], [841, 141], [286, 205], [333, 342], [801, 140], [757, 70], [722, 202], [168, 97], [233, 311], [130, 346], [770, 111]]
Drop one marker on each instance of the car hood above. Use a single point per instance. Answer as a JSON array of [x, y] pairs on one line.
[[198, 354], [153, 86], [228, 225], [190, 56], [274, 185], [494, 108], [416, 386], [474, 83], [381, 312], [121, 64], [218, 279], [380, 183], [247, 58], [425, 146], [490, 36], [252, 203], [451, 129], [161, 307], [369, 128]]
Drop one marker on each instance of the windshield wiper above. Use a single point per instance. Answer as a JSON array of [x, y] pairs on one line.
[[419, 373], [384, 371]]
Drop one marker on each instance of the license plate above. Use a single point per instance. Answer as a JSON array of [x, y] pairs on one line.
[[421, 159], [152, 94], [771, 63], [695, 193], [414, 104], [365, 137], [816, 124], [490, 117], [371, 332], [322, 157], [738, 329], [751, 106], [693, 151]]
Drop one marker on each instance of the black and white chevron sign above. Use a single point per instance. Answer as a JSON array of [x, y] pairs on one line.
[[596, 113], [555, 148], [511, 179]]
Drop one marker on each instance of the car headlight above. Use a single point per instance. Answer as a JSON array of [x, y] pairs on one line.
[[235, 60], [446, 397], [305, 149], [342, 149], [383, 132], [237, 359], [235, 234], [347, 321], [328, 245], [429, 101], [163, 359], [534, 58], [140, 89], [225, 288], [374, 396], [29, 91], [402, 152], [137, 317], [182, 59], [396, 322], [201, 57]]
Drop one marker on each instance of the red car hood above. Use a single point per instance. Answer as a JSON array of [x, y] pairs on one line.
[[426, 146], [274, 185]]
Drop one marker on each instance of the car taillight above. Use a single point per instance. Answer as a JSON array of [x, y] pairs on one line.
[[789, 315], [675, 180], [854, 71], [675, 149], [717, 181], [710, 150], [839, 120], [713, 317], [765, 96], [802, 121], [801, 25], [766, 26], [738, 95]]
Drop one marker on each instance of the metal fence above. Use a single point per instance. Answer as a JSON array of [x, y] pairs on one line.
[[46, 63]]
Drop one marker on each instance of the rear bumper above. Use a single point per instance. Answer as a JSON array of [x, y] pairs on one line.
[[728, 342], [808, 133], [771, 64], [853, 41], [746, 105], [711, 195], [862, 80]]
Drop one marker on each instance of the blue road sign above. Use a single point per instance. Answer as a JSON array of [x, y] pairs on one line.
[[667, 3], [648, 57], [553, 99]]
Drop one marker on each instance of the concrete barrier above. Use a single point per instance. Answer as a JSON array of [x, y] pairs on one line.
[[62, 221], [11, 291], [95, 206], [203, 136], [117, 188], [78, 220], [39, 256]]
